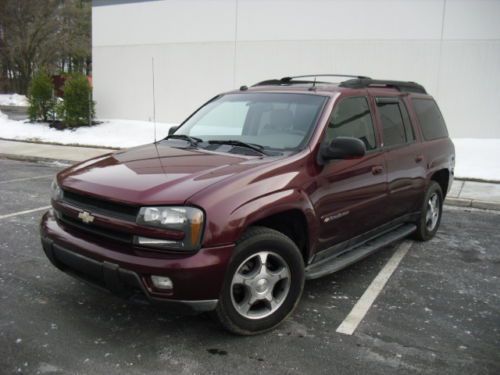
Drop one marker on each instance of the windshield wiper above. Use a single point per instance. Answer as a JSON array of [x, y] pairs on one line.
[[234, 142], [193, 141]]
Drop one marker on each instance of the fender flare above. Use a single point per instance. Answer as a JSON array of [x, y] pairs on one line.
[[271, 204]]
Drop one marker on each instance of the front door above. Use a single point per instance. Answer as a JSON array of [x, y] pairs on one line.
[[351, 194]]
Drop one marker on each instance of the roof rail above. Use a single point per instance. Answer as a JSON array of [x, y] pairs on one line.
[[298, 79], [355, 82], [287, 79], [404, 86]]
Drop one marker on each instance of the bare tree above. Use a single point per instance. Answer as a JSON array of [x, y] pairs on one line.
[[52, 34], [75, 39]]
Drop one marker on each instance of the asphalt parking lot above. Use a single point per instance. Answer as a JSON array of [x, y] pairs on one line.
[[439, 313]]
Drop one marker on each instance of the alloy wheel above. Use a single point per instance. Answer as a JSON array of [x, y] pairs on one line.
[[260, 285], [433, 211]]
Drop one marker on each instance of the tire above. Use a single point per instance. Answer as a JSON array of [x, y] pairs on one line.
[[263, 284], [430, 217]]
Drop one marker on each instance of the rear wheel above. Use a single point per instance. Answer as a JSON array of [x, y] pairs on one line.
[[432, 209], [264, 282]]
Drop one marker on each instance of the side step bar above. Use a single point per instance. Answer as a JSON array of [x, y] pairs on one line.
[[336, 263]]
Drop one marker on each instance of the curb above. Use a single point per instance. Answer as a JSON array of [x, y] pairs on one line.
[[60, 144], [37, 159], [472, 179], [473, 203]]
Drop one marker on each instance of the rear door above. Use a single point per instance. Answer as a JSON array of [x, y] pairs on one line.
[[403, 156], [350, 196]]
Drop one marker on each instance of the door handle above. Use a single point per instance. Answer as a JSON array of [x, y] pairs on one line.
[[377, 169], [419, 158]]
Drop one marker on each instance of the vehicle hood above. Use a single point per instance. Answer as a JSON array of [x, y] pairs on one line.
[[150, 175]]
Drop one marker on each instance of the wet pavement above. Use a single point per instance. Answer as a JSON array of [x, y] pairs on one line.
[[439, 313]]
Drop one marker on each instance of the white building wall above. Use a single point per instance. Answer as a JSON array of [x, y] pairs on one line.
[[203, 47]]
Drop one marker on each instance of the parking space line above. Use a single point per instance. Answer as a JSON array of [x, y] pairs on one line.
[[24, 212], [27, 178], [358, 312]]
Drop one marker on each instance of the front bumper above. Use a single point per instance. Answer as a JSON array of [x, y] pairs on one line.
[[197, 278]]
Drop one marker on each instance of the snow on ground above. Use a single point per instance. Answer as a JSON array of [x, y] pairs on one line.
[[13, 99], [477, 158], [111, 133]]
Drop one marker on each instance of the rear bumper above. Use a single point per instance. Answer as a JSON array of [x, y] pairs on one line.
[[197, 278]]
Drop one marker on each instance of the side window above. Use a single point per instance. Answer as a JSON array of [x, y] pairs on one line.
[[396, 131], [351, 118], [430, 119]]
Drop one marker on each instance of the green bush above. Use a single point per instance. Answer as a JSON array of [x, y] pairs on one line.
[[40, 97], [59, 109], [78, 107]]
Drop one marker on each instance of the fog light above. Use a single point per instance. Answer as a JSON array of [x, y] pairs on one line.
[[162, 282]]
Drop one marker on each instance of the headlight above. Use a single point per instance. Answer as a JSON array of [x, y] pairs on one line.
[[56, 192], [188, 220]]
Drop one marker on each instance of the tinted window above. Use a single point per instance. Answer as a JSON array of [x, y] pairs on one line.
[[430, 119], [352, 118], [393, 126]]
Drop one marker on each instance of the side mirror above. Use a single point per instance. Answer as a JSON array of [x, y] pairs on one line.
[[341, 148], [172, 130]]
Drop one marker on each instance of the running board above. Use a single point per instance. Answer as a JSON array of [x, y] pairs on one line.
[[336, 263]]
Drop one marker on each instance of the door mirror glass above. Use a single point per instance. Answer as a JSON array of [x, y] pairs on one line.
[[342, 148]]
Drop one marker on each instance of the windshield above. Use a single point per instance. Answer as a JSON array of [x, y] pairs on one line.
[[272, 120]]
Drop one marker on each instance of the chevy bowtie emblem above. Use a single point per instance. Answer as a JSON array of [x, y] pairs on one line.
[[86, 217]]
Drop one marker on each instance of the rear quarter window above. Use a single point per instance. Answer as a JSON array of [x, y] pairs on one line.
[[430, 118]]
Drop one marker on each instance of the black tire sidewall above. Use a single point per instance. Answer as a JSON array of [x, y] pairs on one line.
[[291, 255]]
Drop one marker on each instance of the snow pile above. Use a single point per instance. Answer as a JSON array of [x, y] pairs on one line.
[[477, 158], [111, 133], [13, 99]]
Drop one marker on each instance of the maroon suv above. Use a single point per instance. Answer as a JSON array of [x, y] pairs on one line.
[[258, 190]]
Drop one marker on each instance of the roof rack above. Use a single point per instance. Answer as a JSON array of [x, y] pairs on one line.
[[297, 80], [404, 86], [355, 82]]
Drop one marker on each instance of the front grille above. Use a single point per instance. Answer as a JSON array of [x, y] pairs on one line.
[[101, 206], [93, 229]]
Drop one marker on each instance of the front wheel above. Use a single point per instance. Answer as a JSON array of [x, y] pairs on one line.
[[432, 210], [263, 284]]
